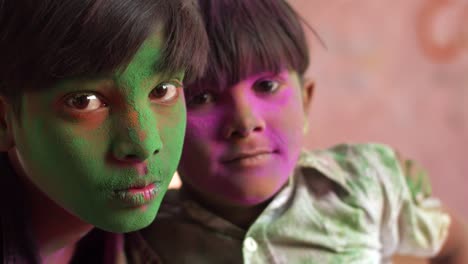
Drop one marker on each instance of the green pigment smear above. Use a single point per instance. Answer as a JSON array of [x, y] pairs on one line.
[[67, 157]]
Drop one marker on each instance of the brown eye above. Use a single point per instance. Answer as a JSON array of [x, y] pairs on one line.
[[164, 92], [201, 99], [84, 102], [266, 86]]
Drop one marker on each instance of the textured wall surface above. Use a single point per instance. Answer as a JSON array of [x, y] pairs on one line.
[[395, 72]]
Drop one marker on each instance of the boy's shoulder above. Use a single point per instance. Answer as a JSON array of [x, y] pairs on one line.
[[369, 168], [345, 159], [356, 151], [394, 192], [356, 167]]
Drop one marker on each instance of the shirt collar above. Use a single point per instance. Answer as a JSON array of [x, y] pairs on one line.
[[327, 165]]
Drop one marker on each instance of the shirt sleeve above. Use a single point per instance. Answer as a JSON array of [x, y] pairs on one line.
[[414, 222]]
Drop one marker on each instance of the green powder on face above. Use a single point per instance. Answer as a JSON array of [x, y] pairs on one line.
[[69, 156]]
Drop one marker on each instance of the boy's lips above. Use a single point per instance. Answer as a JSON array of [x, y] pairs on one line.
[[247, 158], [233, 156], [138, 193]]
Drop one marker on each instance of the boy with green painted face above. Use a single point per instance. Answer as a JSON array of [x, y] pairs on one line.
[[92, 117], [250, 194]]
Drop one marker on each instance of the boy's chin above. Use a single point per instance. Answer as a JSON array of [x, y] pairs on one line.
[[127, 221], [264, 195], [252, 200]]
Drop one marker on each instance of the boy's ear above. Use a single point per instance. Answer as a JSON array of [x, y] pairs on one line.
[[6, 135], [307, 94]]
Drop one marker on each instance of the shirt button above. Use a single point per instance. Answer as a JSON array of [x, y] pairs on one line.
[[250, 244]]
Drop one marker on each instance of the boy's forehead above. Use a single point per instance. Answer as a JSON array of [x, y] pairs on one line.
[[150, 62], [223, 80], [143, 65], [145, 62]]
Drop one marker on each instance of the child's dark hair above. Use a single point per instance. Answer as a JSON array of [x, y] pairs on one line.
[[44, 41], [247, 37]]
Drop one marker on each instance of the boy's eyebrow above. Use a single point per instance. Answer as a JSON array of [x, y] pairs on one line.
[[196, 88], [220, 84], [269, 74]]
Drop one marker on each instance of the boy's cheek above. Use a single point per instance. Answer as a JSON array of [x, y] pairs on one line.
[[202, 129], [87, 121], [171, 126]]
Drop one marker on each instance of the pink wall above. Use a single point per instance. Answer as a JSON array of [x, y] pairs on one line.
[[395, 72]]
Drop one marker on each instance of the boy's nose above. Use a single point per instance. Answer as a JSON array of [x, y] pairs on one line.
[[136, 140], [243, 120], [132, 151]]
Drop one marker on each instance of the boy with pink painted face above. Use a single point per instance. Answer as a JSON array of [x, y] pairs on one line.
[[92, 121], [251, 195]]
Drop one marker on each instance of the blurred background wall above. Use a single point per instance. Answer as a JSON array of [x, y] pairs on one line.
[[394, 71]]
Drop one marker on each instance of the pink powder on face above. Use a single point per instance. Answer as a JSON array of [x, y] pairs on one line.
[[142, 135], [143, 208], [133, 118], [242, 122], [142, 169]]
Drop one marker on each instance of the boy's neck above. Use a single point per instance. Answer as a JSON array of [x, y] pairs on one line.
[[55, 230], [241, 216]]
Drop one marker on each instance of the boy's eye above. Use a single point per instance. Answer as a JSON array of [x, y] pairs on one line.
[[201, 99], [164, 92], [266, 86], [84, 102]]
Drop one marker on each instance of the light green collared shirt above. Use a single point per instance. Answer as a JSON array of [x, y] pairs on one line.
[[348, 204]]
